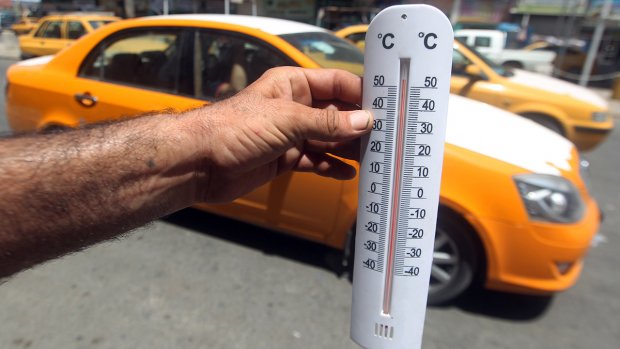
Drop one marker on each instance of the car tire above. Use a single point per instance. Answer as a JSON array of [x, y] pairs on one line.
[[547, 122], [456, 259], [512, 64], [53, 128], [460, 243]]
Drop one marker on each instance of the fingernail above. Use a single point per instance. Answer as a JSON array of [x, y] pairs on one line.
[[360, 120]]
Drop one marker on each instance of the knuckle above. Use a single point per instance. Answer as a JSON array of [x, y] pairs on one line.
[[337, 87], [330, 120]]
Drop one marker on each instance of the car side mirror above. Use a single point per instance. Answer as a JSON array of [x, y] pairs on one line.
[[474, 72]]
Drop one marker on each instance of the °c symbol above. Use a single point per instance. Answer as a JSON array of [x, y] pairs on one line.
[[387, 45], [428, 43]]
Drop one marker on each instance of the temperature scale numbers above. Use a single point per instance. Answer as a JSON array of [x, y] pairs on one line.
[[421, 105]]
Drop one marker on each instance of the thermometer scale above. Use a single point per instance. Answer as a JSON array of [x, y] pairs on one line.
[[406, 85]]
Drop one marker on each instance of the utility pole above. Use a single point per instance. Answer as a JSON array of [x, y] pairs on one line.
[[456, 12], [130, 9], [596, 42]]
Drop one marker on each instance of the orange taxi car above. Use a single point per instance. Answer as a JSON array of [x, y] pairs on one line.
[[53, 33], [24, 25], [515, 212], [568, 109]]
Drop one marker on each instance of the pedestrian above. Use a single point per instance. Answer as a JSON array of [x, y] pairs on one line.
[[62, 192]]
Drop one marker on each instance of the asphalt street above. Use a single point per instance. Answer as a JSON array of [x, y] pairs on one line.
[[195, 280]]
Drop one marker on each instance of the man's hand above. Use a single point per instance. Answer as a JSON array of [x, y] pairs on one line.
[[274, 126], [65, 191]]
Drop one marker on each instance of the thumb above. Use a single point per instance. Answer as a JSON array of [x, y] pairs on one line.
[[332, 125]]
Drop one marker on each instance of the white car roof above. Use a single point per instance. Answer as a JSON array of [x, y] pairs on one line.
[[269, 25]]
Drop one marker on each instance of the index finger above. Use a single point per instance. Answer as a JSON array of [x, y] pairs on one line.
[[333, 84]]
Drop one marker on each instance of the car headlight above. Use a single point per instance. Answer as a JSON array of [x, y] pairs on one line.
[[550, 198], [600, 116]]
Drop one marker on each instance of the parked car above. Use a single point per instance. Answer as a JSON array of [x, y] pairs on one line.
[[24, 25], [569, 59], [573, 111], [492, 44], [514, 206], [53, 33]]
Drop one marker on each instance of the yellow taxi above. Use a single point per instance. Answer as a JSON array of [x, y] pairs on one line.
[[515, 211], [568, 109], [53, 33], [24, 25]]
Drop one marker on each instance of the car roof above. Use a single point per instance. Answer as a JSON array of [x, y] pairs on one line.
[[79, 16], [274, 26]]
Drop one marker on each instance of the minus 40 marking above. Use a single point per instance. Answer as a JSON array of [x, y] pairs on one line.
[[411, 271]]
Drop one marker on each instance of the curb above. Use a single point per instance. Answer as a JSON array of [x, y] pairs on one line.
[[9, 55], [9, 48]]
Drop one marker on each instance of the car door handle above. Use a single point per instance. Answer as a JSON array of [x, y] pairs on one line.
[[86, 99]]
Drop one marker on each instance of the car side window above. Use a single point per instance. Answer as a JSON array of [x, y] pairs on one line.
[[52, 30], [157, 59], [227, 63], [41, 30], [357, 37], [482, 41], [459, 63], [75, 30]]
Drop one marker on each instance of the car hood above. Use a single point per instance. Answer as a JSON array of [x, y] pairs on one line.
[[504, 136], [553, 85]]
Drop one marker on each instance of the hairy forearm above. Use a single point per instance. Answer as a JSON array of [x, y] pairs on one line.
[[84, 186], [62, 192]]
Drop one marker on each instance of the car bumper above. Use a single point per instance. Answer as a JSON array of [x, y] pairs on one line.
[[538, 257], [589, 136]]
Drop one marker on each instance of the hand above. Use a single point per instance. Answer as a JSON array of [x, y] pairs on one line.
[[289, 119]]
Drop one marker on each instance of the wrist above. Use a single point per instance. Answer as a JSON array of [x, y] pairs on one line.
[[192, 147]]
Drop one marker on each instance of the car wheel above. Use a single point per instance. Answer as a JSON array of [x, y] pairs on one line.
[[513, 64], [547, 122], [53, 128], [455, 260]]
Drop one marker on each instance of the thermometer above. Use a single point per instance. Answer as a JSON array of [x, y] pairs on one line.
[[406, 85]]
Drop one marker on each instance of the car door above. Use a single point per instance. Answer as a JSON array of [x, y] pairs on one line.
[[50, 40], [225, 62], [135, 71], [148, 69], [34, 45]]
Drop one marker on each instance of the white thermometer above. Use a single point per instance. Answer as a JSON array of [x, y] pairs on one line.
[[406, 85]]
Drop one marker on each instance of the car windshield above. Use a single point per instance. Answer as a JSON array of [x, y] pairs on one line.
[[99, 23], [328, 51], [496, 67]]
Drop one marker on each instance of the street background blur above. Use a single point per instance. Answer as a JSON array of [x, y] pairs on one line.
[[194, 280]]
